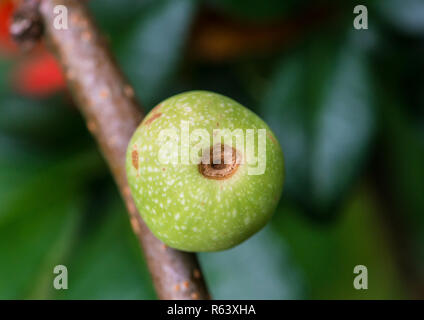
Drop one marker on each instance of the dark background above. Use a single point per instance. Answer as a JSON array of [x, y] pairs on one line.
[[346, 105]]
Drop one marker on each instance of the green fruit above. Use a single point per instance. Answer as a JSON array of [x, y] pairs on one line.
[[193, 205]]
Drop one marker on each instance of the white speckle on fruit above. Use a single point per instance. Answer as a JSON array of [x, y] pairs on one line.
[[182, 208]]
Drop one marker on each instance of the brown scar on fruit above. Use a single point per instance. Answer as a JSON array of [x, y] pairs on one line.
[[271, 137], [134, 158], [177, 287], [155, 109], [152, 118]]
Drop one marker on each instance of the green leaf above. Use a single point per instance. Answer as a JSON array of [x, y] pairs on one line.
[[116, 18], [325, 254], [405, 158], [43, 121], [255, 10], [38, 218], [32, 243], [5, 67], [320, 105], [28, 177], [406, 15], [45, 221], [106, 263], [153, 47]]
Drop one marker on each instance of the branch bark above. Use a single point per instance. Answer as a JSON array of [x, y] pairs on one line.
[[112, 113]]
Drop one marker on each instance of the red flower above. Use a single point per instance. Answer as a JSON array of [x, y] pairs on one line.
[[36, 73], [6, 11]]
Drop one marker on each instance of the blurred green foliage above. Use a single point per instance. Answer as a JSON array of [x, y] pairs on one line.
[[259, 11], [320, 106], [346, 105]]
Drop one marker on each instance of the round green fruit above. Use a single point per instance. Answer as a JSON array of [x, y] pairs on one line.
[[205, 172]]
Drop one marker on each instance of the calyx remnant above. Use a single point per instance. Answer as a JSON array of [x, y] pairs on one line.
[[220, 163]]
